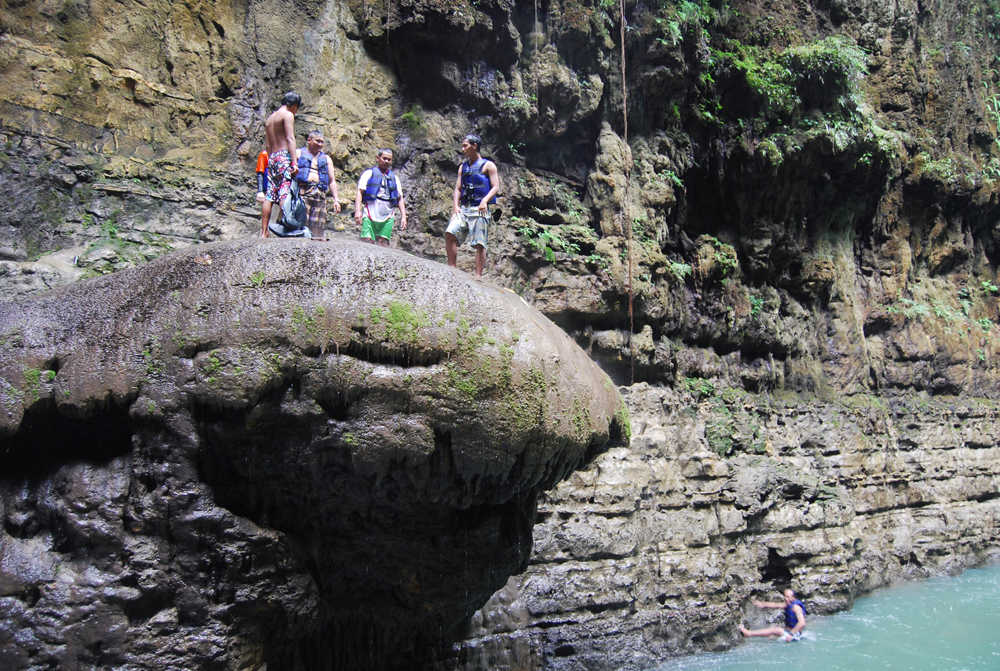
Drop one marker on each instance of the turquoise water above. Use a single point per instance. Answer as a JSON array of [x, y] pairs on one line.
[[942, 624]]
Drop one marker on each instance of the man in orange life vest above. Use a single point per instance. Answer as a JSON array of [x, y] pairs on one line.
[[475, 189]]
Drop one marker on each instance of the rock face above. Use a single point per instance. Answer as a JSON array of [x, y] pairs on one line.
[[299, 455], [804, 207], [656, 550]]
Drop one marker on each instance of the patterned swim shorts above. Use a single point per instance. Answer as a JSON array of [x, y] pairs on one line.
[[467, 224], [279, 175]]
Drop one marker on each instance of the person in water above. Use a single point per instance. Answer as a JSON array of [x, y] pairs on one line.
[[795, 618], [280, 147]]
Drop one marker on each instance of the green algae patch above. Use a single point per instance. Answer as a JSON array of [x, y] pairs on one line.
[[400, 321], [32, 384], [306, 323], [625, 419]]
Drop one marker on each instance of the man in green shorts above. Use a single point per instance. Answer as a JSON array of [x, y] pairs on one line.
[[379, 194]]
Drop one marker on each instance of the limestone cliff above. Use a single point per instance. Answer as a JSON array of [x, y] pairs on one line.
[[656, 550], [802, 214]]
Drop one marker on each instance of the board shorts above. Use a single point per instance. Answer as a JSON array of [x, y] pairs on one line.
[[376, 229], [315, 201], [468, 224], [279, 176]]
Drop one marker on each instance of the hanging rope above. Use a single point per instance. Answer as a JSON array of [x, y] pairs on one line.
[[625, 209]]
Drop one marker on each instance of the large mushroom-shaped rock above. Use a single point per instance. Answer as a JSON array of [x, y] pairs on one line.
[[309, 456]]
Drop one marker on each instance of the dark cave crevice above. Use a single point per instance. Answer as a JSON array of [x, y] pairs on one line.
[[40, 446], [776, 570]]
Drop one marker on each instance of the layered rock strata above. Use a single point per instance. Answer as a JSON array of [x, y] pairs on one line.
[[655, 550], [286, 454]]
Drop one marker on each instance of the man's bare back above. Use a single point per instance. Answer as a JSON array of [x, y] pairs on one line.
[[280, 129]]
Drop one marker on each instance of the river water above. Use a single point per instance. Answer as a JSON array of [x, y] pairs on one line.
[[941, 624]]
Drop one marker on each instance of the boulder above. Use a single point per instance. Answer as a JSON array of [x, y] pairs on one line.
[[271, 452]]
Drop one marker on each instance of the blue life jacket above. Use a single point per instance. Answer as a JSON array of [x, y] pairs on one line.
[[790, 618], [321, 167], [475, 183], [376, 181]]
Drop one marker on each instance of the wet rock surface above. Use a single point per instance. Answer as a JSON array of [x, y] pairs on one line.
[[300, 455], [656, 550]]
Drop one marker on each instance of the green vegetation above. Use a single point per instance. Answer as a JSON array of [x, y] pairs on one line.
[[669, 175], [680, 270], [520, 102], [687, 16], [909, 308], [731, 427], [699, 386], [257, 279], [413, 118], [622, 415], [400, 320], [547, 241], [785, 82], [599, 260], [32, 384], [309, 324], [724, 255]]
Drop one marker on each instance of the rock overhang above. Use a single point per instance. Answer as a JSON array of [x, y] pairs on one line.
[[367, 408]]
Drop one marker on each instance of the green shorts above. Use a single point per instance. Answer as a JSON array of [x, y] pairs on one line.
[[376, 229]]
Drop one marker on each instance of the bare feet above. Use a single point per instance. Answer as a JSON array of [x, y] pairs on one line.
[[744, 630]]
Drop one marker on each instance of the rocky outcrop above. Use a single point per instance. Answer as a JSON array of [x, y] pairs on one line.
[[300, 455], [656, 549], [804, 208]]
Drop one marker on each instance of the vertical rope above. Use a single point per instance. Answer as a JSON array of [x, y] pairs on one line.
[[625, 209], [536, 35]]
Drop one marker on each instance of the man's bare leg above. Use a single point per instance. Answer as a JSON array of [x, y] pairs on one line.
[[770, 631], [265, 217], [480, 260], [383, 242], [451, 249]]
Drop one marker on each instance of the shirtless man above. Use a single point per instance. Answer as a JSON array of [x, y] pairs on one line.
[[281, 167]]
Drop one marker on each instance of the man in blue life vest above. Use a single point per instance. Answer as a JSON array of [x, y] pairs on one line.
[[280, 146], [379, 195], [795, 618], [476, 187], [316, 179]]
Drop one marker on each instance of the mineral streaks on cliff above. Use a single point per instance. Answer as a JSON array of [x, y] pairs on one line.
[[656, 549], [310, 456]]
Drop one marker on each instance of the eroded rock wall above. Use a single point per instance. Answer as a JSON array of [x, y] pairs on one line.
[[656, 549]]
